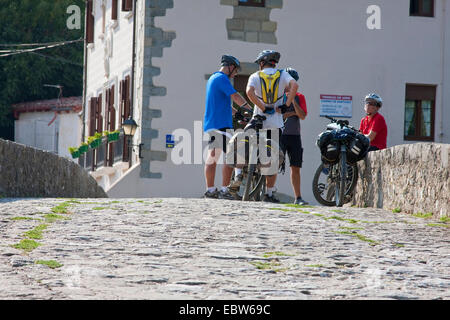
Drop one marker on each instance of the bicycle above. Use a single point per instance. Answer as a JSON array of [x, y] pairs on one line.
[[341, 147], [253, 182]]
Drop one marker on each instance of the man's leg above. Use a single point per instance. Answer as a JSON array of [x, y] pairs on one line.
[[227, 172], [295, 181], [210, 168]]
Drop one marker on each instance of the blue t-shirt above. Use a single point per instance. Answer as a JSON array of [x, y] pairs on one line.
[[218, 114]]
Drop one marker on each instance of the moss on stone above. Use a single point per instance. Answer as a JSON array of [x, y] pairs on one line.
[[26, 245], [49, 263], [36, 233]]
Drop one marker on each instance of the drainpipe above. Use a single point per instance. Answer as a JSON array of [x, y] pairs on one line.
[[133, 73], [83, 111], [441, 133]]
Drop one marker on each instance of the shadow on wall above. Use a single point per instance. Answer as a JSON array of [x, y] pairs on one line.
[[414, 178], [27, 172]]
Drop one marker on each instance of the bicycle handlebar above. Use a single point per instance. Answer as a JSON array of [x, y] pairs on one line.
[[342, 123]]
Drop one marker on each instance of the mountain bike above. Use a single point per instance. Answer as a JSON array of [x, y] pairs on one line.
[[341, 147], [253, 182]]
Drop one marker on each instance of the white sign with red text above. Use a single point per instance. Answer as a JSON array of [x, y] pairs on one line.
[[336, 105]]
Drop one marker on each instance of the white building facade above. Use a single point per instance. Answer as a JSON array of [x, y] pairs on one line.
[[398, 49]]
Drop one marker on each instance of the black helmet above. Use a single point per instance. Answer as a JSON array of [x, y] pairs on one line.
[[230, 61], [268, 56], [293, 73]]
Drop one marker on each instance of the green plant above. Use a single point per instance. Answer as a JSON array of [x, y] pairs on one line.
[[396, 210], [26, 245], [423, 215], [49, 263], [36, 233]]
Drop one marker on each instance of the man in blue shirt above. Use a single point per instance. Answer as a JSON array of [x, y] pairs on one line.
[[218, 123]]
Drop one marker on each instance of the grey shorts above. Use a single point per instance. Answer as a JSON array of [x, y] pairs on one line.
[[218, 139]]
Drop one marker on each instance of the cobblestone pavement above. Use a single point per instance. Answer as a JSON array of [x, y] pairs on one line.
[[217, 249]]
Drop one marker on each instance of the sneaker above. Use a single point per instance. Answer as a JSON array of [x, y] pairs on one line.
[[300, 201], [226, 195], [236, 183], [211, 195], [270, 199]]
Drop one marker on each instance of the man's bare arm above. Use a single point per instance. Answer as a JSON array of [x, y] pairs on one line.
[[240, 101], [293, 87], [253, 98], [299, 111], [371, 135]]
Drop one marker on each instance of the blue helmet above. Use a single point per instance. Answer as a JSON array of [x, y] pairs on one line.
[[228, 60], [373, 97], [293, 73], [268, 56]]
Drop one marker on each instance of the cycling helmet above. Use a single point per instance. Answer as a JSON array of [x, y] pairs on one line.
[[268, 56], [373, 97], [293, 73], [228, 60]]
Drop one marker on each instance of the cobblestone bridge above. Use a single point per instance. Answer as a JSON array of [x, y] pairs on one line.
[[217, 249]]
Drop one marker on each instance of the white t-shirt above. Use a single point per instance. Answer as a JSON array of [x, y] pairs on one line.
[[274, 120]]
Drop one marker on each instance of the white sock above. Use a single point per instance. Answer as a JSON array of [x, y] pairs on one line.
[[224, 189], [269, 191], [212, 189], [237, 172]]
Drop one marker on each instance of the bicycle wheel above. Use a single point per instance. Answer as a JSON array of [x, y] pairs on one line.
[[340, 184], [323, 185], [257, 185], [248, 182]]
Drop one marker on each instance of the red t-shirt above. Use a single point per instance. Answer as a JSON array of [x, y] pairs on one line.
[[378, 125]]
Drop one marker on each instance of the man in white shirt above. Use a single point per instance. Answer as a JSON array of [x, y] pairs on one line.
[[265, 88]]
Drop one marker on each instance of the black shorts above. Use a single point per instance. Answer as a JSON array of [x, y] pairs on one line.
[[218, 139], [293, 146]]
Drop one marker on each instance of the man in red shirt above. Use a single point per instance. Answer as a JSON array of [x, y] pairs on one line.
[[373, 126]]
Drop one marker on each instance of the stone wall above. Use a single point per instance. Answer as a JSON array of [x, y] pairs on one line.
[[413, 178], [252, 24], [28, 172]]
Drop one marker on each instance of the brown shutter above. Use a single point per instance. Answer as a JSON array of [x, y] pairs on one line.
[[112, 111], [99, 114], [127, 5], [92, 111], [90, 21], [114, 9]]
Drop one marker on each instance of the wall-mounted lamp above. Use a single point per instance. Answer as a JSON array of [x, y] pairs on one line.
[[129, 129]]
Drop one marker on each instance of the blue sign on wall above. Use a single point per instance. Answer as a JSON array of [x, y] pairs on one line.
[[170, 141]]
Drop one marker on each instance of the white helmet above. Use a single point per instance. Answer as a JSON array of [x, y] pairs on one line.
[[375, 98]]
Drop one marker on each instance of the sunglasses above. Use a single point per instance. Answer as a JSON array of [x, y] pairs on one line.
[[371, 103]]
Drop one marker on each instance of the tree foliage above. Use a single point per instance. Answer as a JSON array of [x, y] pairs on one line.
[[22, 76]]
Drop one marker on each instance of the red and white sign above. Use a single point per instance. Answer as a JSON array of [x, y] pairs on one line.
[[336, 105]]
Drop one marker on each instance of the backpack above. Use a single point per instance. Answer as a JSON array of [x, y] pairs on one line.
[[269, 86]]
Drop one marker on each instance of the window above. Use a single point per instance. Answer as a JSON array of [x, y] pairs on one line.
[[127, 5], [419, 112], [252, 3], [422, 8]]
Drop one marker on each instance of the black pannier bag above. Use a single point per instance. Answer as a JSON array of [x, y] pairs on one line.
[[358, 148], [328, 148]]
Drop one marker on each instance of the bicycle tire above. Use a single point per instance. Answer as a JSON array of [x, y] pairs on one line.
[[340, 190], [316, 192], [248, 180], [255, 194]]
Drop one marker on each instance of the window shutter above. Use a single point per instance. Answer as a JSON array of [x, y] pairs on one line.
[[112, 111], [99, 114], [90, 21], [114, 9], [127, 5], [92, 110]]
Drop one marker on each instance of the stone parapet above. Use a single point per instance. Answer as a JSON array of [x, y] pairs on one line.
[[28, 172], [413, 178]]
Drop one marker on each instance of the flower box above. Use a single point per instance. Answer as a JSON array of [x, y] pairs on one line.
[[113, 136]]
